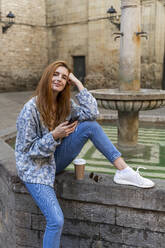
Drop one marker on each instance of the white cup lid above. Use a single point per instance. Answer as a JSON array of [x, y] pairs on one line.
[[79, 161]]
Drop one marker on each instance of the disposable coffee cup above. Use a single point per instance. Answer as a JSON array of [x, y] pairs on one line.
[[79, 168]]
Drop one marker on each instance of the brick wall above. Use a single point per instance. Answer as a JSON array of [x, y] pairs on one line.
[[24, 51]]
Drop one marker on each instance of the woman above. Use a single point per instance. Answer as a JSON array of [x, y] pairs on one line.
[[47, 143]]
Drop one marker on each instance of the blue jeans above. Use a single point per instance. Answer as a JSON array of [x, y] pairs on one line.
[[46, 200], [69, 148], [73, 144]]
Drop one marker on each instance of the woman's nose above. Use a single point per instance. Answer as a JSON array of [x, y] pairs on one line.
[[59, 77]]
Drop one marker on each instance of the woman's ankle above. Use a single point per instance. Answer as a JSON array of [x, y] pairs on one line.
[[120, 164]]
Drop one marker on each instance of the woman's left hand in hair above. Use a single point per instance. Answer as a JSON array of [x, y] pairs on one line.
[[73, 80]]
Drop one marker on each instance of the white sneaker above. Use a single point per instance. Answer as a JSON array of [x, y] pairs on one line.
[[130, 177]]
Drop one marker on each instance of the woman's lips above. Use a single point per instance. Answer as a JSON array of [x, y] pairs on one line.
[[56, 84]]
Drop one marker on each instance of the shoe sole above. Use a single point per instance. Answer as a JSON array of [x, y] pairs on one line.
[[132, 184]]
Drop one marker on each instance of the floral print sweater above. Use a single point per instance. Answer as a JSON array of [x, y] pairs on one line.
[[35, 145]]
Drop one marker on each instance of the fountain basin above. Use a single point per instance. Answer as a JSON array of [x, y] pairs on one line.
[[129, 101], [128, 104]]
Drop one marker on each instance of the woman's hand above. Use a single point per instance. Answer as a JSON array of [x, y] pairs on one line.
[[64, 129], [75, 81]]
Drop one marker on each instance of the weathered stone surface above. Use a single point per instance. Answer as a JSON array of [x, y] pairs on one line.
[[44, 31], [111, 233], [70, 241], [27, 237], [88, 212], [24, 46], [97, 215], [150, 220], [25, 203], [38, 222], [83, 229], [23, 219], [107, 192], [143, 238]]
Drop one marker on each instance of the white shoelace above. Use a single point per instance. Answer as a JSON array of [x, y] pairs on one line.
[[140, 167], [140, 178]]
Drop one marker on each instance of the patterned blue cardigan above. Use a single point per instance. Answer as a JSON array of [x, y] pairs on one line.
[[35, 145]]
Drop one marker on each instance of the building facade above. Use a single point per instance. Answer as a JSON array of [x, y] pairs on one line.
[[79, 32], [23, 47]]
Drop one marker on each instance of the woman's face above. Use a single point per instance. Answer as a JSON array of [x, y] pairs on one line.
[[59, 79]]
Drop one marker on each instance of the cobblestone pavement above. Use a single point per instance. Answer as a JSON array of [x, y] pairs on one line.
[[10, 105]]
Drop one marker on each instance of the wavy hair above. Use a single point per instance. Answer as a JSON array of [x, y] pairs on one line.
[[52, 113]]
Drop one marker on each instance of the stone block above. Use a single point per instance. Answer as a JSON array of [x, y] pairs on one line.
[[25, 203], [88, 211], [23, 219], [111, 233], [141, 219], [22, 246], [96, 213], [105, 244], [85, 243], [6, 240], [69, 241], [69, 208], [81, 228], [143, 238], [126, 246], [27, 237], [38, 222]]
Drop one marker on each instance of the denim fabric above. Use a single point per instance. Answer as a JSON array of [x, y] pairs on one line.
[[71, 146], [46, 200]]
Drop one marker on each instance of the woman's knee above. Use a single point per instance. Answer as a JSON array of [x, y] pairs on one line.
[[56, 221], [90, 124]]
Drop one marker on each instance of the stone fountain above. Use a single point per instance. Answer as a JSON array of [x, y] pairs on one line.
[[129, 99]]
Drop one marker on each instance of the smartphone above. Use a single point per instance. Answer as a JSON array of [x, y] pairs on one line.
[[72, 120]]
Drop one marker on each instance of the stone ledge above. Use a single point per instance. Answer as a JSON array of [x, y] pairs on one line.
[[108, 193], [105, 192]]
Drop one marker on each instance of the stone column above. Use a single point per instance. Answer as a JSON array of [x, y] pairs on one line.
[[129, 72], [128, 125]]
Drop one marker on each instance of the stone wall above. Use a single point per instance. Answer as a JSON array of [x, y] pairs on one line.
[[68, 29], [84, 29], [153, 49], [24, 51], [46, 30], [97, 214]]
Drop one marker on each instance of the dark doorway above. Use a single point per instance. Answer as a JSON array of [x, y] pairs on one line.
[[163, 80], [79, 67]]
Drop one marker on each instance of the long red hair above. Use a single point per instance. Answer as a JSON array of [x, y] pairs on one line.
[[52, 113]]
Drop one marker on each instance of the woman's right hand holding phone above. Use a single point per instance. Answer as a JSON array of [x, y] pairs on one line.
[[64, 129]]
